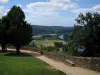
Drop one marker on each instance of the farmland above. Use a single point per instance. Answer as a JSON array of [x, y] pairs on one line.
[[47, 42]]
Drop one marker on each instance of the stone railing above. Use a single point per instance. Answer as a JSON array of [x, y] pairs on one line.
[[92, 63]]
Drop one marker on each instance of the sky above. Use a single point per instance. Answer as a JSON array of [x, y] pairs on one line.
[[51, 12]]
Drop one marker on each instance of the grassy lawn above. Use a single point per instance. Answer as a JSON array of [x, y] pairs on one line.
[[47, 42], [24, 65]]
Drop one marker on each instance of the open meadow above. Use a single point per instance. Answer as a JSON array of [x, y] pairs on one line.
[[46, 42]]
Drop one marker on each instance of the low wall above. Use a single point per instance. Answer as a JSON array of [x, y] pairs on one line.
[[92, 63]]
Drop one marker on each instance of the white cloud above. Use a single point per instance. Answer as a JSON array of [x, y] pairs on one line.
[[48, 13], [95, 8], [47, 18], [1, 11], [4, 1], [53, 4], [1, 8]]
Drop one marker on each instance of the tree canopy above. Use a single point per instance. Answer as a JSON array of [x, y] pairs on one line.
[[16, 30], [87, 33]]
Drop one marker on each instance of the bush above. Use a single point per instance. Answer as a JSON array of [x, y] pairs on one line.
[[65, 48], [58, 44], [49, 48]]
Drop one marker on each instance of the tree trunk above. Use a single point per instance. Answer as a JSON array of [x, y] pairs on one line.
[[18, 50]]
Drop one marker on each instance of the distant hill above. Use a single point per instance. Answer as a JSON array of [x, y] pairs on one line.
[[50, 29]]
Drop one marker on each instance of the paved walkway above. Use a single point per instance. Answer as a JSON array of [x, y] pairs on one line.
[[62, 67]]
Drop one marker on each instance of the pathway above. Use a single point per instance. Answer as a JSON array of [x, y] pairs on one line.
[[61, 66]]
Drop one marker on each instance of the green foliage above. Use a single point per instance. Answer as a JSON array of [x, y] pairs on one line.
[[16, 15], [87, 33], [19, 32], [58, 44], [15, 30], [65, 47], [49, 48]]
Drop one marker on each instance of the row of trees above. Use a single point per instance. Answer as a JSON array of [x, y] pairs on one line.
[[86, 34], [14, 30]]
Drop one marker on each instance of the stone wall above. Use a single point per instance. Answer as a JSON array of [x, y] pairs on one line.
[[92, 63]]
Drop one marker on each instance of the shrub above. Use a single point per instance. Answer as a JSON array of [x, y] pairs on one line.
[[49, 48], [58, 44]]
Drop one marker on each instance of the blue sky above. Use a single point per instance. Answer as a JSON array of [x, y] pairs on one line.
[[51, 12]]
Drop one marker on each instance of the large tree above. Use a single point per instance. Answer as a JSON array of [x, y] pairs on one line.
[[16, 30], [21, 36], [87, 33]]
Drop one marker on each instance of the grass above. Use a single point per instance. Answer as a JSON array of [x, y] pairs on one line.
[[47, 42], [11, 64]]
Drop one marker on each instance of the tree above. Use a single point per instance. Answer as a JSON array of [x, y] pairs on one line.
[[87, 33], [18, 31], [3, 28], [22, 36]]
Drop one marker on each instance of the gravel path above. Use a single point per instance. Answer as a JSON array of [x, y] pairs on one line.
[[67, 69]]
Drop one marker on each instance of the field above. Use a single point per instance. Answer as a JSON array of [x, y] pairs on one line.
[[11, 64], [47, 42], [39, 37]]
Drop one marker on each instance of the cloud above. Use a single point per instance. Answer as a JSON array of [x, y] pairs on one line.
[[53, 5], [95, 8], [48, 13], [47, 18], [4, 1], [1, 11]]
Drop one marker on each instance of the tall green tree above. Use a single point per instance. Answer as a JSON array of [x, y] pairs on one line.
[[21, 37], [16, 30], [20, 32], [87, 33]]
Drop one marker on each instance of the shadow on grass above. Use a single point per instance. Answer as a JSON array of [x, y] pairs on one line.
[[18, 55], [22, 54]]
